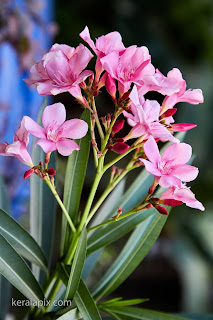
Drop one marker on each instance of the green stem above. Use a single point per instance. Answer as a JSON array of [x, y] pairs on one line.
[[123, 216], [60, 204], [95, 114], [115, 116]]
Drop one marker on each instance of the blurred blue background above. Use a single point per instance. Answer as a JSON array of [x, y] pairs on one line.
[[177, 274]]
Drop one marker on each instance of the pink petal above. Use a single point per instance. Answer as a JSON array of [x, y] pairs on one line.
[[139, 130], [169, 180], [178, 153], [85, 74], [134, 96], [152, 110], [58, 68], [184, 172], [159, 131], [85, 35], [74, 129], [67, 50], [45, 88], [18, 149], [66, 146], [110, 42], [110, 63], [22, 134], [75, 91], [54, 115], [80, 59], [150, 167], [33, 128], [192, 96], [46, 145], [151, 151]]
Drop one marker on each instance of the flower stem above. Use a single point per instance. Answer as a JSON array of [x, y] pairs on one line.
[[95, 114], [60, 204]]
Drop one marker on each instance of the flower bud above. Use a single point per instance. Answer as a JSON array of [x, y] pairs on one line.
[[161, 210], [120, 147], [28, 173], [171, 202], [169, 113], [51, 171], [182, 127], [111, 86], [118, 126]]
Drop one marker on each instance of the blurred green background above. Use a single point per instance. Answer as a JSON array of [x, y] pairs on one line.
[[177, 274]]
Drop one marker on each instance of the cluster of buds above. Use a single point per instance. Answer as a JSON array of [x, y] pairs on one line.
[[128, 75]]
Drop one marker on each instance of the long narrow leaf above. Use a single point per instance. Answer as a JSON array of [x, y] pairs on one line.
[[136, 248], [86, 304], [21, 240], [77, 266], [143, 314], [70, 315], [74, 178], [5, 286], [15, 270]]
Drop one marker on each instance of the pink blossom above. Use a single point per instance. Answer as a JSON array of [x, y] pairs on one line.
[[18, 148], [129, 67], [56, 131], [170, 168], [158, 82], [145, 118], [103, 46], [60, 70], [183, 194], [191, 96]]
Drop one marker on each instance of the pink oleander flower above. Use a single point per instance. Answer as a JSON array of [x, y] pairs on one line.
[[103, 46], [56, 132], [158, 82], [60, 70], [191, 96], [18, 148], [129, 67], [169, 168], [182, 194], [145, 118]]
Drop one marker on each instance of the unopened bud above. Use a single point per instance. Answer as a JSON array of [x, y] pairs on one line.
[[111, 86], [169, 113], [28, 173], [120, 147], [125, 96], [171, 202], [182, 127], [118, 126], [91, 78], [83, 85], [148, 206], [51, 171], [161, 210], [41, 164]]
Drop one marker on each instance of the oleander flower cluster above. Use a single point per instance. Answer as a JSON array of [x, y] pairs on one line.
[[127, 74]]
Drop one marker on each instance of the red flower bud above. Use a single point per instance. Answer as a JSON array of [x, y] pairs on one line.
[[169, 113], [125, 96], [118, 126], [110, 86], [51, 171], [28, 173], [171, 202], [182, 127], [161, 210], [120, 147]]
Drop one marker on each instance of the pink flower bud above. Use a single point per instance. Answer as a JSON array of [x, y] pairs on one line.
[[182, 127], [118, 126], [120, 147], [111, 86], [148, 206], [161, 210], [171, 202], [51, 171], [28, 173], [169, 113]]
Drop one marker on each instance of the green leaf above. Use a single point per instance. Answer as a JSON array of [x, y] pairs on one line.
[[15, 270], [118, 302], [42, 204], [136, 248], [70, 315], [77, 266], [74, 179], [86, 304], [143, 314], [133, 196], [5, 286], [21, 240]]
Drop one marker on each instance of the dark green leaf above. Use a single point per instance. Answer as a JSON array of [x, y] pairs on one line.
[[117, 302], [77, 266], [70, 315], [143, 314], [86, 304], [21, 241], [15, 270], [74, 178]]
